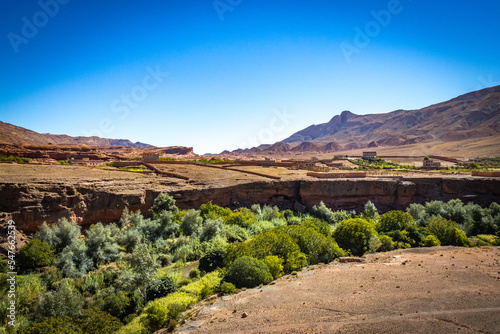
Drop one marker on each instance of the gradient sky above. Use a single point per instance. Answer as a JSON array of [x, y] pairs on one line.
[[234, 73]]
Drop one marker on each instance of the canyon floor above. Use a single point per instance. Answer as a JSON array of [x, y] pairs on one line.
[[426, 290]]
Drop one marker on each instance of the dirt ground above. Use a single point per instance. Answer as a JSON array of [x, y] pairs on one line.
[[426, 290], [199, 175]]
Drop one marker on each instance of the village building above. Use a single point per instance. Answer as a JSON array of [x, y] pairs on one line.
[[86, 162], [369, 155], [313, 166], [431, 164], [150, 156]]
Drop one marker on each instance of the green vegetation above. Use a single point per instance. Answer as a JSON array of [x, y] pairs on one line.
[[36, 254], [141, 273], [210, 161], [61, 162], [491, 161], [379, 163], [12, 159]]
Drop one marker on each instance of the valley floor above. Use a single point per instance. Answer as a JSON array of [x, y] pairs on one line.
[[426, 290]]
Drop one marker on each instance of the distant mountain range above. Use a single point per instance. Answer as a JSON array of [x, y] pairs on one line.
[[11, 134], [471, 116]]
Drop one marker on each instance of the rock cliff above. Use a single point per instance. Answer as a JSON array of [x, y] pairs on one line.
[[30, 204]]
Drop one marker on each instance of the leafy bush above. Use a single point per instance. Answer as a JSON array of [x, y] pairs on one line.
[[162, 310], [431, 241], [387, 243], [316, 246], [211, 228], [213, 211], [274, 264], [102, 244], [234, 233], [65, 301], [94, 321], [374, 244], [73, 260], [418, 212], [248, 272], [332, 217], [162, 287], [354, 235], [143, 268], [370, 211], [60, 235], [401, 227], [447, 232], [243, 218], [260, 226], [92, 282], [53, 325], [194, 273], [163, 202], [115, 303], [17, 160], [212, 260], [278, 243], [191, 223], [395, 221], [266, 213], [204, 285], [36, 253], [227, 288]]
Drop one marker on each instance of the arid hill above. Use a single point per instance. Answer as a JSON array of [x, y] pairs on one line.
[[11, 134], [466, 125], [474, 115]]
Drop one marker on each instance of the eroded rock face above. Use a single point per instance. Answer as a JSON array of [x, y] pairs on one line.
[[30, 204]]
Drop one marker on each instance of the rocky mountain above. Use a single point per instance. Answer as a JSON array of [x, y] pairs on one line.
[[474, 115], [11, 134]]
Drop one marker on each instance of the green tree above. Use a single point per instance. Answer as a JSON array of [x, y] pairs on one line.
[[248, 272], [212, 260], [447, 232], [275, 265], [102, 244], [36, 253], [370, 211], [143, 268], [60, 235], [191, 223], [354, 235], [53, 325], [401, 227], [163, 202], [73, 260], [94, 321], [65, 301]]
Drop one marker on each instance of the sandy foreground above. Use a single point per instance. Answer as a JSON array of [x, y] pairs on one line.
[[426, 290]]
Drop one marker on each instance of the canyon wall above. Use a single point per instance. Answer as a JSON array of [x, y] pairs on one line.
[[30, 204]]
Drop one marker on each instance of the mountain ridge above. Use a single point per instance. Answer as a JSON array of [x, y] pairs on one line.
[[13, 134], [468, 116]]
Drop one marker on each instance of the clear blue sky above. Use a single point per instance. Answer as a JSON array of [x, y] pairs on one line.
[[232, 73]]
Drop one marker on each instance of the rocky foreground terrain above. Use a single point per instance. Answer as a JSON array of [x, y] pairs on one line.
[[424, 290]]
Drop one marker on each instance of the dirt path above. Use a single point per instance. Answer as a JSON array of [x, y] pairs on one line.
[[431, 290]]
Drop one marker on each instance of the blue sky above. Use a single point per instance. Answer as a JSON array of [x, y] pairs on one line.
[[225, 74]]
